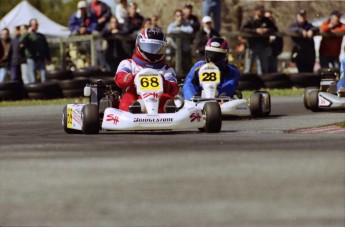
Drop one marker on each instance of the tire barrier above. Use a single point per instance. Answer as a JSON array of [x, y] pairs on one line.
[[11, 90], [73, 88], [47, 90], [249, 81], [276, 80], [303, 80], [59, 75]]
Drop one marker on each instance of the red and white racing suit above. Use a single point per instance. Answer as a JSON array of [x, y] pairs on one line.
[[125, 75]]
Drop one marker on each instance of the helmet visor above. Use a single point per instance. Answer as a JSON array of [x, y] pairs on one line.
[[215, 57], [152, 46]]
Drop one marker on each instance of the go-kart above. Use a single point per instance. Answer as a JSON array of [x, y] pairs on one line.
[[102, 112], [209, 78], [325, 97]]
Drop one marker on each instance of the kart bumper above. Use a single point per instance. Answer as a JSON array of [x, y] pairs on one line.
[[330, 101]]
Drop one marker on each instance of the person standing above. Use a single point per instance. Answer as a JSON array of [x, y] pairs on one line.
[[260, 28], [82, 21], [5, 42], [36, 50], [213, 8], [179, 27], [192, 19], [102, 12], [26, 76], [331, 45], [203, 35], [303, 49], [16, 57], [276, 43]]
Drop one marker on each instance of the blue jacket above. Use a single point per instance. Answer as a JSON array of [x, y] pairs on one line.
[[341, 82], [228, 81]]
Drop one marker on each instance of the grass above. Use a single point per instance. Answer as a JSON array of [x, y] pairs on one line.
[[342, 124], [246, 94]]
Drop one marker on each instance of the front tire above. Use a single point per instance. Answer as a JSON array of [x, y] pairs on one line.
[[90, 119], [213, 117], [313, 100]]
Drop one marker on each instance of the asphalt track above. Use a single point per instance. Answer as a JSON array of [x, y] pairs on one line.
[[253, 173]]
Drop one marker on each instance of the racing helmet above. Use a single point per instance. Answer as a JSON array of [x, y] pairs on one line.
[[151, 44], [216, 51]]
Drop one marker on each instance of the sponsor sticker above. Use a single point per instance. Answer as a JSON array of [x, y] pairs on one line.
[[195, 117], [153, 120], [69, 117], [323, 101], [113, 118]]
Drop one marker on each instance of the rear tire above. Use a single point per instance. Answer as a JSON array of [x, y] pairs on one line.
[[313, 100], [213, 117], [90, 119], [257, 105]]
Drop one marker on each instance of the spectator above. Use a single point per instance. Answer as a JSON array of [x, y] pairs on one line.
[[114, 53], [5, 42], [102, 12], [36, 50], [331, 46], [276, 43], [82, 21], [181, 26], [212, 8], [134, 20], [203, 35], [147, 23], [121, 11], [26, 76], [16, 57], [303, 50], [154, 21], [192, 19], [259, 27]]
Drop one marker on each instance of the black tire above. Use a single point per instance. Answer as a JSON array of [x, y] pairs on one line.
[[72, 93], [64, 123], [87, 72], [305, 96], [256, 105], [213, 117], [249, 85], [10, 95], [248, 76], [274, 77], [59, 75], [305, 79], [11, 85], [313, 101], [278, 84], [74, 84], [268, 103], [90, 119]]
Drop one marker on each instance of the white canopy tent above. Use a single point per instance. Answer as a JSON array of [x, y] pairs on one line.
[[24, 11]]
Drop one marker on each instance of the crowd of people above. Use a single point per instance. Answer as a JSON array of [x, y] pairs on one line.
[[24, 55]]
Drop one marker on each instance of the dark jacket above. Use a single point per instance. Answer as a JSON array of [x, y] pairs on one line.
[[5, 57], [252, 24], [201, 38], [105, 12], [16, 52], [194, 22], [133, 24], [300, 43], [36, 46]]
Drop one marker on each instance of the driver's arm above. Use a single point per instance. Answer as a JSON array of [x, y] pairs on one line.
[[231, 82], [189, 88], [124, 76]]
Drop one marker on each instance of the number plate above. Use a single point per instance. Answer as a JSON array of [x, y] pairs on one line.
[[69, 117], [213, 77], [150, 83]]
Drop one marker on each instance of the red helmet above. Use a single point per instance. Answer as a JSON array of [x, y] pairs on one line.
[[151, 44], [216, 51]]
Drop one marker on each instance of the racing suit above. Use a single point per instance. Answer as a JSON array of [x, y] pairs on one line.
[[125, 75], [228, 81]]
